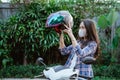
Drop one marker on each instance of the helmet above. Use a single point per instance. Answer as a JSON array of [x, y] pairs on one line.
[[57, 19]]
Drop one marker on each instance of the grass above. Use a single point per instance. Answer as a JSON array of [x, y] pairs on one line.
[[105, 78]]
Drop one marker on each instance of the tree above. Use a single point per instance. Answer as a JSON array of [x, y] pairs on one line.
[[110, 38]]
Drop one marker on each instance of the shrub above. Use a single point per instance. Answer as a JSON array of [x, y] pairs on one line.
[[30, 71], [25, 32], [21, 71], [107, 71], [4, 48]]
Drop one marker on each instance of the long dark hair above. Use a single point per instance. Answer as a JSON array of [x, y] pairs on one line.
[[92, 34]]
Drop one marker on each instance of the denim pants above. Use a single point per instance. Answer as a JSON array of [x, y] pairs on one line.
[[80, 78]]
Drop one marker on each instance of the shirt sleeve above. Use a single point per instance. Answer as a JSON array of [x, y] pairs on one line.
[[89, 49], [66, 50]]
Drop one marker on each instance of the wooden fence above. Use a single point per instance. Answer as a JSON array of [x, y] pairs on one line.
[[7, 9]]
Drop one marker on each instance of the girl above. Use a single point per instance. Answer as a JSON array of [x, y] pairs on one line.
[[87, 45]]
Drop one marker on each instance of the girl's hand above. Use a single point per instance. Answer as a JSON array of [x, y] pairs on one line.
[[61, 40], [68, 30], [61, 33], [61, 36]]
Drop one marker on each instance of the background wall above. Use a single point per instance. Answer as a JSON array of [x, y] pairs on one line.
[[7, 9]]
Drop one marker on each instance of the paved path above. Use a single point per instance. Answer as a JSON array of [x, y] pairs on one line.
[[25, 79], [22, 79]]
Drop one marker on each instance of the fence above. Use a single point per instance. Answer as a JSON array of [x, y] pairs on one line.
[[7, 9]]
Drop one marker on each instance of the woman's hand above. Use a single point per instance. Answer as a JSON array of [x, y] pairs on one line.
[[61, 35], [61, 42], [68, 30]]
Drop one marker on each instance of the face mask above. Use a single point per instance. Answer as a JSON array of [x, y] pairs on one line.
[[82, 32]]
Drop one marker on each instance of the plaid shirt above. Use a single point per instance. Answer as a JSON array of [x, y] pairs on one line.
[[84, 69]]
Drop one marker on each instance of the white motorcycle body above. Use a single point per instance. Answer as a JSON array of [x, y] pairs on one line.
[[63, 74]]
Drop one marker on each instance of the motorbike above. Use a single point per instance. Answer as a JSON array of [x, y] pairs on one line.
[[61, 72]]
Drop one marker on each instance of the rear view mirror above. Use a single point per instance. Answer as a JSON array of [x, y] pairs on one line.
[[88, 60], [40, 61]]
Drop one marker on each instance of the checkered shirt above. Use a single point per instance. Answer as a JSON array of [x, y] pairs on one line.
[[84, 69]]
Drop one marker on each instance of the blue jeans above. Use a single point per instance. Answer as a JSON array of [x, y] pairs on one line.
[[80, 78]]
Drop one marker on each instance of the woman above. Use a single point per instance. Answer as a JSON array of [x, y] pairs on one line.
[[86, 45]]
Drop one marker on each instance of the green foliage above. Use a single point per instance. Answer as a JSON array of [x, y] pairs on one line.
[[30, 71], [21, 71], [4, 48], [25, 32], [115, 42], [102, 22], [105, 57], [109, 35], [118, 31], [112, 17], [105, 78], [107, 71], [107, 20]]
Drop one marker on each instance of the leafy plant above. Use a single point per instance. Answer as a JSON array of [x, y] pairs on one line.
[[107, 71], [4, 48], [21, 71], [30, 71], [110, 30], [26, 32]]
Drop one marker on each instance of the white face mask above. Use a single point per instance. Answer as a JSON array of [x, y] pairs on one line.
[[82, 33]]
